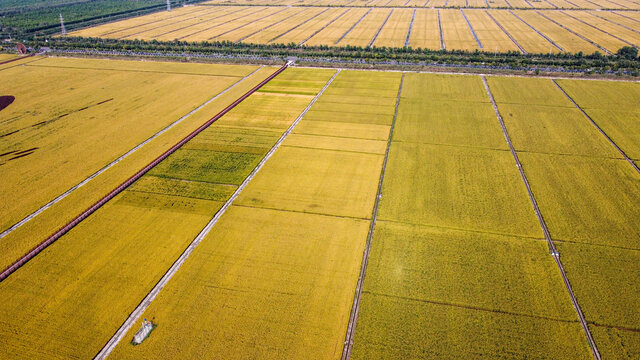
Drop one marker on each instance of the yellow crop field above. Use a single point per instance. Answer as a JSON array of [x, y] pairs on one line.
[[531, 41], [566, 40], [609, 25], [489, 34], [363, 33], [395, 31], [337, 143], [331, 34], [519, 4], [298, 32], [456, 32], [425, 33]]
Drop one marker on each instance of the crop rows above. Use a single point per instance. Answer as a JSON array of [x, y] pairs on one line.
[[493, 30]]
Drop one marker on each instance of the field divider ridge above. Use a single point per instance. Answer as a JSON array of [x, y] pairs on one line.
[[135, 315], [122, 157], [506, 32], [553, 251], [597, 28], [17, 58], [606, 51], [442, 45], [408, 37], [624, 16], [353, 26], [613, 22], [355, 308], [471, 28], [268, 26], [249, 23], [302, 23], [210, 27], [70, 225], [324, 27], [536, 30], [375, 36], [204, 9], [624, 155]]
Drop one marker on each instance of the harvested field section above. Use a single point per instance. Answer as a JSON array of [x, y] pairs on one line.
[[416, 304], [426, 32], [489, 34], [566, 40], [456, 32], [18, 242], [263, 284], [334, 32], [613, 106], [395, 31], [586, 200], [364, 32], [70, 132], [449, 186], [531, 41]]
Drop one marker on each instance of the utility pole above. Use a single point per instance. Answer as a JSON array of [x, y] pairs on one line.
[[64, 31], [168, 5]]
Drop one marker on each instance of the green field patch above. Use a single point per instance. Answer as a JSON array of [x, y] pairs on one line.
[[337, 143], [494, 272], [209, 166], [527, 91], [586, 200], [561, 130], [266, 112], [465, 188], [616, 343], [605, 282], [349, 117], [220, 138], [396, 328], [351, 130], [316, 181], [444, 87], [185, 188], [448, 122], [163, 202]]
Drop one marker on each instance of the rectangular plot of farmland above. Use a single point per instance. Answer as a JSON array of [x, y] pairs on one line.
[[563, 38], [426, 32], [586, 200], [450, 186], [272, 34], [332, 33], [530, 40], [297, 33], [445, 87], [456, 32], [363, 33], [489, 34], [394, 33], [264, 284], [239, 32], [611, 26]]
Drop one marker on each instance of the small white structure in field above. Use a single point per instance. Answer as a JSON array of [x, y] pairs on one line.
[[144, 331]]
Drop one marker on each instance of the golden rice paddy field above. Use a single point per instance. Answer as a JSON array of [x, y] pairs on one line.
[[490, 30], [458, 266]]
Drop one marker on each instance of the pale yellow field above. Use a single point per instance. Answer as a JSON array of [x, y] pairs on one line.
[[520, 4]]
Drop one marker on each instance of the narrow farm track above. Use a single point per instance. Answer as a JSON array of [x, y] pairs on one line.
[[506, 32], [353, 317], [17, 58], [269, 26], [324, 27], [406, 40], [375, 36], [122, 157], [352, 27], [55, 236], [543, 225], [536, 30], [471, 29], [135, 315], [624, 155]]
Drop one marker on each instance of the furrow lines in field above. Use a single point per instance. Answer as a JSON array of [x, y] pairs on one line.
[[574, 33], [249, 23], [135, 315], [63, 230], [352, 27], [353, 317], [471, 28], [442, 45], [536, 30], [297, 26], [324, 27], [413, 17], [597, 28], [380, 28], [598, 127], [506, 32], [122, 157], [205, 29], [543, 225]]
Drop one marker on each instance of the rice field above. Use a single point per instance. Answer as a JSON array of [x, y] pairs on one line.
[[470, 29], [412, 170]]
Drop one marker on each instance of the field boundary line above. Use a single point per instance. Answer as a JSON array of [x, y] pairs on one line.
[[17, 58], [249, 23], [122, 157], [302, 23], [624, 155], [266, 27], [543, 225], [536, 30], [375, 36], [210, 27], [624, 16], [471, 28], [324, 27], [574, 33], [352, 27], [442, 45], [169, 24], [597, 28], [413, 17], [71, 224], [506, 32], [135, 315], [355, 308], [613, 22], [152, 22]]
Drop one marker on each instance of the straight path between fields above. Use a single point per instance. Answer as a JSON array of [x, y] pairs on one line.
[[543, 225], [135, 315]]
